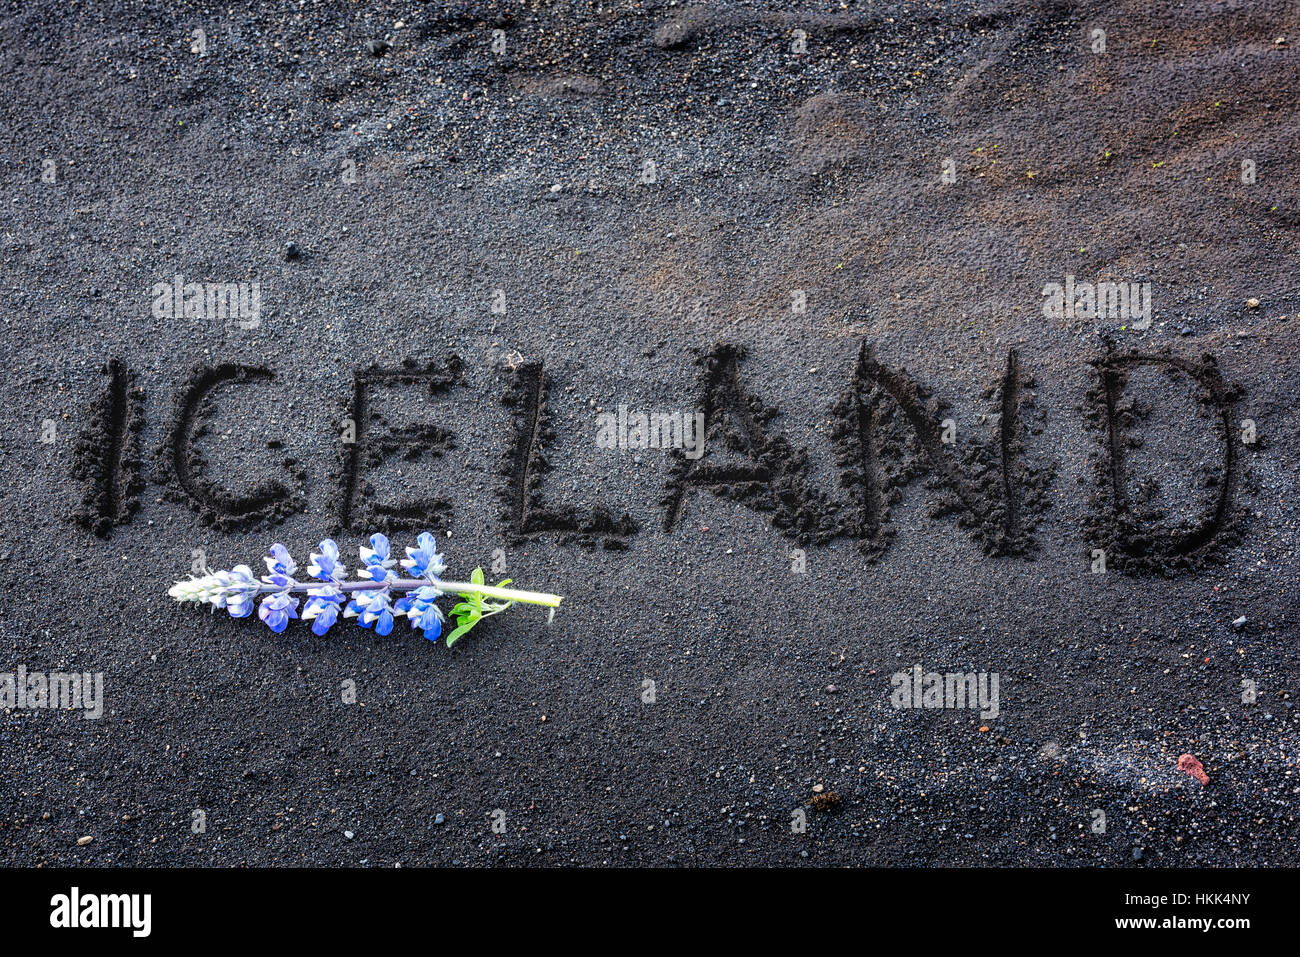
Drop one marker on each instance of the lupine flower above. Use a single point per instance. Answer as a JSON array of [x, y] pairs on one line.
[[378, 564], [372, 608], [233, 590], [368, 599], [419, 607], [325, 563], [322, 608], [280, 562], [240, 587], [423, 561], [277, 608]]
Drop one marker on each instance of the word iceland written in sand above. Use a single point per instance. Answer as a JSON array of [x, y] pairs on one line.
[[888, 432]]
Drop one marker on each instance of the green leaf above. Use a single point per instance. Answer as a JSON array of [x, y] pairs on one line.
[[451, 638], [474, 607]]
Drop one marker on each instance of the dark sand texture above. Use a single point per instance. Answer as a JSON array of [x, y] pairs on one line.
[[648, 186]]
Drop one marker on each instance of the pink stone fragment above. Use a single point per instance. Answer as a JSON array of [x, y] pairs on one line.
[[1189, 765]]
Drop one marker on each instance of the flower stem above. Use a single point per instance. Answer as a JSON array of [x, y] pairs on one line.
[[447, 588], [506, 594]]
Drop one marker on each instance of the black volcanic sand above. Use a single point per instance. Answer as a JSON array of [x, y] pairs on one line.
[[415, 184]]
